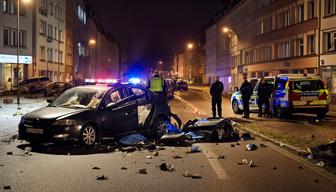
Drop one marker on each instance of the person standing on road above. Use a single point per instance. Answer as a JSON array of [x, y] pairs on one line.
[[246, 90], [216, 91], [264, 94], [157, 85]]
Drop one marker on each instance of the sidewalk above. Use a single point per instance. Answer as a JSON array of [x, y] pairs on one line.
[[10, 114]]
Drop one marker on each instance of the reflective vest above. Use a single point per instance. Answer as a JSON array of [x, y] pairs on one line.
[[156, 84]]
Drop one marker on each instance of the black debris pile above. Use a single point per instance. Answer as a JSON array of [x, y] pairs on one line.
[[143, 171], [325, 154], [167, 167], [101, 178]]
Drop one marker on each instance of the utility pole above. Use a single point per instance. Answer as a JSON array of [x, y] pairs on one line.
[[17, 52]]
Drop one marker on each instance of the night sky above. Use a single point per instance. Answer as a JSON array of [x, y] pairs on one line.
[[161, 27]]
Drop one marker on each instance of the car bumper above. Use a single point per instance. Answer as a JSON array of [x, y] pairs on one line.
[[50, 134]]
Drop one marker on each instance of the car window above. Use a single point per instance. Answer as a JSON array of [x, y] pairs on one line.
[[141, 96], [307, 85], [115, 97]]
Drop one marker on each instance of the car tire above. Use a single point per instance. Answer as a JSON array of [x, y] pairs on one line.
[[281, 113], [88, 135], [159, 127], [235, 107]]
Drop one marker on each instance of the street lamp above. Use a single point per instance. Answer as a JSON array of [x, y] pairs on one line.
[[190, 46], [18, 48]]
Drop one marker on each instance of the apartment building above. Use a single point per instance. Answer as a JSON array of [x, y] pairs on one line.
[[265, 38], [328, 45], [49, 40], [9, 42]]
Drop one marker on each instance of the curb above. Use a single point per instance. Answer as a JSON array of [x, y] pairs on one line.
[[281, 144]]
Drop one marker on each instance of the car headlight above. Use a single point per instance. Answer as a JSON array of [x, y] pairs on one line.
[[65, 122]]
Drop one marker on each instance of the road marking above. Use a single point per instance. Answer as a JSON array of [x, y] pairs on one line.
[[212, 158]]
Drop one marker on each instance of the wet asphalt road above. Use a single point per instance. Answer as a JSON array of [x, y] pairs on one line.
[[53, 169]]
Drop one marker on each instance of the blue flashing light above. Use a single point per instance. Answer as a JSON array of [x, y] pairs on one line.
[[134, 80]]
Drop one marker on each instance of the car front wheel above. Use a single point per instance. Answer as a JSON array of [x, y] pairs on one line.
[[89, 135]]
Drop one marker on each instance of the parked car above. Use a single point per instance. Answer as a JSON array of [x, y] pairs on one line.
[[237, 101], [33, 85], [91, 113], [300, 94], [55, 88], [181, 85], [170, 88]]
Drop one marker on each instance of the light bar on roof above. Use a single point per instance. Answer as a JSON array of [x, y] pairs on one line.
[[101, 80]]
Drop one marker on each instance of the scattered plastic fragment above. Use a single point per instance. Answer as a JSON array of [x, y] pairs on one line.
[[320, 164], [148, 157], [10, 153], [95, 168], [196, 149], [102, 178], [7, 187], [251, 147], [167, 167], [143, 171], [123, 168]]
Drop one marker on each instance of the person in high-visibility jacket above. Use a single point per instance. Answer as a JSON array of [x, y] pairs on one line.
[[157, 84]]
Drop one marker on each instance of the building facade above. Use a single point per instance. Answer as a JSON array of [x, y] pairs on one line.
[[49, 26], [8, 42], [328, 45], [269, 37]]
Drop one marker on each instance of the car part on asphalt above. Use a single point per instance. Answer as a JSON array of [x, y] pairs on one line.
[[251, 147], [133, 139]]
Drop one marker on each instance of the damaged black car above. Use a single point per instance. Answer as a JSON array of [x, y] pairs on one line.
[[88, 114]]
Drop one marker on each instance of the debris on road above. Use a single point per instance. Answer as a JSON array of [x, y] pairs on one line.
[[262, 145], [325, 153], [143, 171], [221, 157], [148, 157], [195, 149], [177, 157], [95, 168], [173, 139], [244, 161], [123, 168], [300, 167], [133, 139], [167, 167], [232, 145], [101, 178], [320, 164], [192, 175], [27, 150], [7, 187], [251, 164], [10, 153], [128, 149], [251, 147], [246, 136], [209, 129], [155, 154], [275, 168]]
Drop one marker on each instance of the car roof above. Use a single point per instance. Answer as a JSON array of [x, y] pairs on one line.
[[299, 77]]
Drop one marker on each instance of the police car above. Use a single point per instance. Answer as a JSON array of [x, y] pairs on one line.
[[95, 112], [299, 93], [237, 101]]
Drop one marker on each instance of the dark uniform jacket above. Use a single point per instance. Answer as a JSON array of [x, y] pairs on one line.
[[216, 90], [246, 90], [264, 91]]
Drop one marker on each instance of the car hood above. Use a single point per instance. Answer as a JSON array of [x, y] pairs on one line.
[[53, 113]]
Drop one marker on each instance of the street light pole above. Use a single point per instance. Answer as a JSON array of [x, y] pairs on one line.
[[17, 51]]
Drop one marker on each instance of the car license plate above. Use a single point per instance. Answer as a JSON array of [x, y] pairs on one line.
[[309, 98], [34, 131]]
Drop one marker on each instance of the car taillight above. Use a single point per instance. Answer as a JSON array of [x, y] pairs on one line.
[[295, 96], [323, 96]]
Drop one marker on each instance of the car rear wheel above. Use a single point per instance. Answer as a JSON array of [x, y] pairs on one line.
[[89, 135], [235, 107]]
